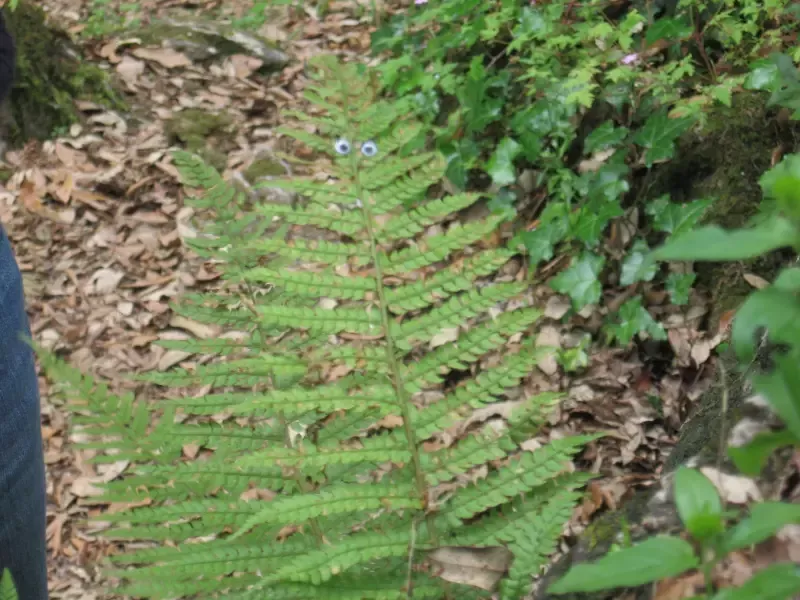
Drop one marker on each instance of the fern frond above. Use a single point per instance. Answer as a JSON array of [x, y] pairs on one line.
[[523, 474], [445, 283], [411, 223], [438, 248], [458, 310], [335, 500], [313, 411], [319, 566], [315, 285]]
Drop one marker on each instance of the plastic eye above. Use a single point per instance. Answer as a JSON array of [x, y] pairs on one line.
[[342, 146], [369, 148]]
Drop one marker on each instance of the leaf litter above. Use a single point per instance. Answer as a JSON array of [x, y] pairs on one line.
[[97, 224]]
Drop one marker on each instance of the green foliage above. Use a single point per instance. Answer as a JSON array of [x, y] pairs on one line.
[[7, 589], [330, 388], [766, 341], [655, 558], [583, 95], [701, 511]]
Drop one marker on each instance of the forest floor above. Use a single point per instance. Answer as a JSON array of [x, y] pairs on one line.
[[97, 222]]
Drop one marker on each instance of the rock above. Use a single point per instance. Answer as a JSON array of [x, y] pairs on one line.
[[264, 168], [652, 511], [209, 135], [51, 76], [208, 41]]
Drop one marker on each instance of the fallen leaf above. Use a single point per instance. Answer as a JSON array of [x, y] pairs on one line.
[[733, 488], [478, 567], [755, 281], [445, 336], [104, 281], [166, 57]]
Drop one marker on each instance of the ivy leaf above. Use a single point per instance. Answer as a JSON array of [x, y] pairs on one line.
[[656, 558], [751, 458], [633, 318], [764, 75], [679, 285], [776, 582], [502, 204], [638, 266], [765, 519], [668, 29], [604, 136], [698, 504], [501, 164], [659, 134], [673, 218], [553, 226], [713, 243], [592, 221], [580, 281]]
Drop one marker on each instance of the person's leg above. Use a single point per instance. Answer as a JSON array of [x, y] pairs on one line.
[[22, 483]]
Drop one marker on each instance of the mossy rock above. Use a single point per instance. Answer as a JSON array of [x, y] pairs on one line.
[[209, 135], [50, 77], [724, 160], [208, 41]]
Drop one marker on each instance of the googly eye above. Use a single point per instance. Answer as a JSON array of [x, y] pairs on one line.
[[369, 148], [342, 146]]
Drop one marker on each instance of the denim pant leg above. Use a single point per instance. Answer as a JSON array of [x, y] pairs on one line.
[[22, 483]]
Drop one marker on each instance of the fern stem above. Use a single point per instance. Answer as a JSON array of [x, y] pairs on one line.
[[394, 367]]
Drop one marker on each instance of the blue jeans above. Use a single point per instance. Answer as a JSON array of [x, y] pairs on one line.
[[22, 485]]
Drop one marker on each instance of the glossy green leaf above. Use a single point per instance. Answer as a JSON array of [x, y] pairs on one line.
[[679, 285], [674, 218], [713, 243], [580, 281], [782, 182], [751, 458], [659, 134], [604, 136], [553, 228], [7, 589], [765, 520], [637, 266], [653, 559], [772, 310], [776, 582], [592, 221], [763, 75], [698, 504], [781, 388], [501, 164], [668, 29], [632, 318]]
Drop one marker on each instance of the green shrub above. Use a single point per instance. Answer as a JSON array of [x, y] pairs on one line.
[[590, 97], [766, 340]]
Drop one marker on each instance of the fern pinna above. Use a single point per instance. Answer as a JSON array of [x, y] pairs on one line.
[[336, 456]]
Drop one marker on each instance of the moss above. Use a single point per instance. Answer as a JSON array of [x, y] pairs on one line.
[[50, 77], [724, 161], [264, 166], [206, 134]]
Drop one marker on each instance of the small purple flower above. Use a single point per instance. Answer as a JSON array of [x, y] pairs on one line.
[[420, 2], [630, 59]]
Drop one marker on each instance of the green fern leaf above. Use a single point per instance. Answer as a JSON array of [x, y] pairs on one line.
[[7, 589], [341, 316]]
